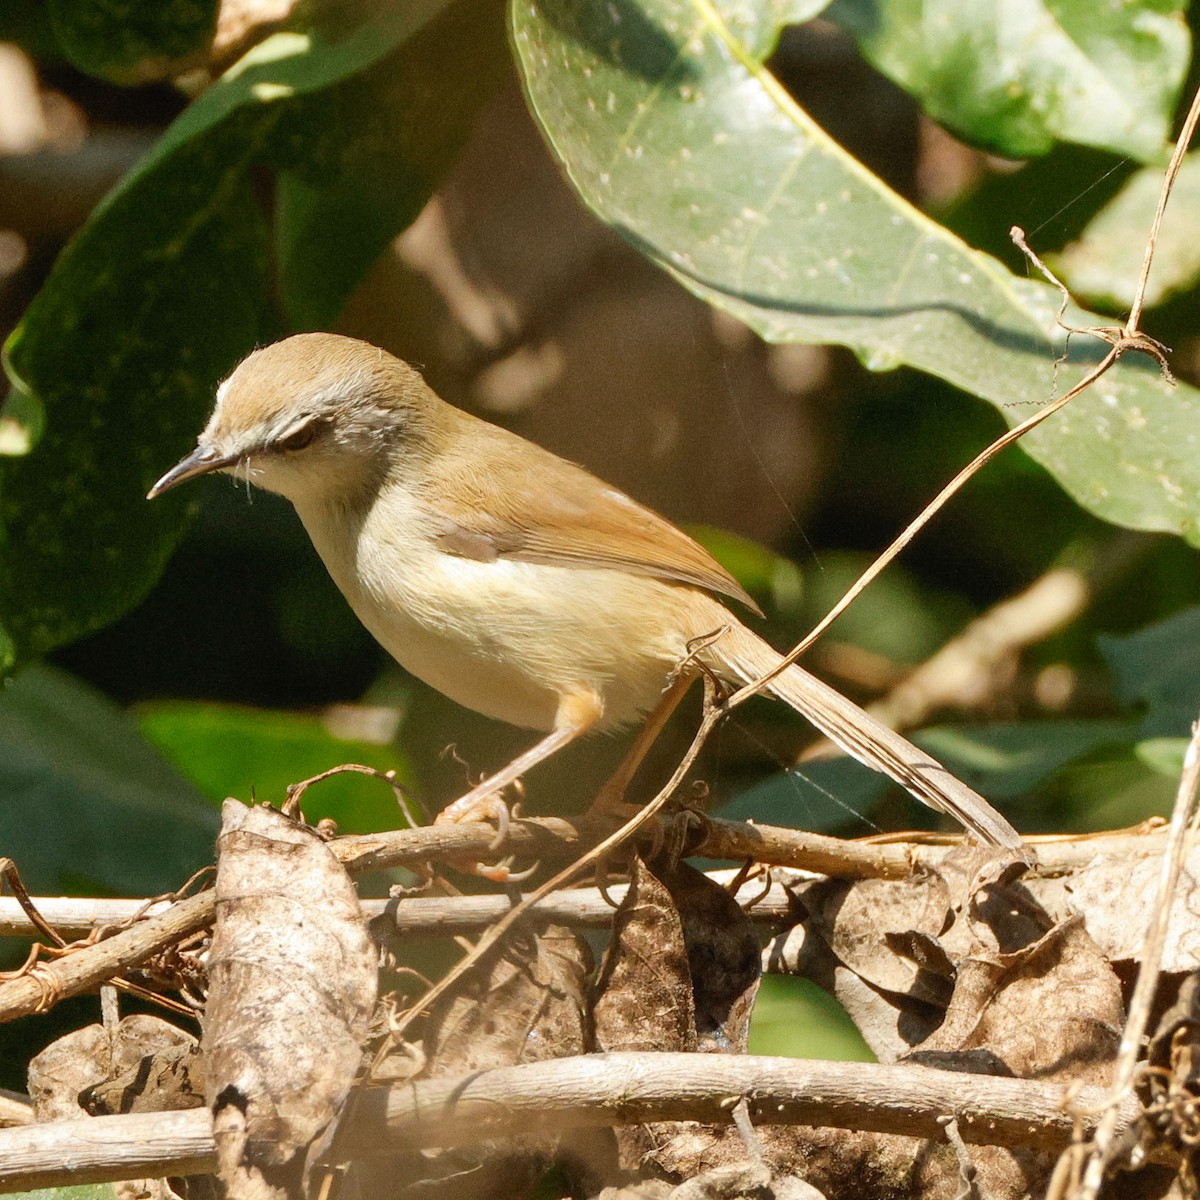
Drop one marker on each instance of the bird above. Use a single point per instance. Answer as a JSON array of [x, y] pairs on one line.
[[511, 580]]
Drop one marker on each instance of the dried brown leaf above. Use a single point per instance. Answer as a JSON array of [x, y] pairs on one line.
[[871, 925], [292, 981], [724, 958], [65, 1068], [643, 996], [526, 1005], [1051, 1009], [1116, 894], [169, 1079]]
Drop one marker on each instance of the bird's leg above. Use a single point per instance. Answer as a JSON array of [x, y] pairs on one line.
[[610, 800], [577, 713]]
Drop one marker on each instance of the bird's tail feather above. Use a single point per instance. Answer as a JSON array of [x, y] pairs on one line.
[[745, 656]]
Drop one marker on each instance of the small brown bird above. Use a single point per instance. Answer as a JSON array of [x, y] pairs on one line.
[[511, 580]]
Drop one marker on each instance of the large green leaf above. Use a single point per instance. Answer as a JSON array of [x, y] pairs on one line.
[[157, 298], [1009, 760], [130, 41], [85, 801], [1019, 75], [141, 315], [673, 132]]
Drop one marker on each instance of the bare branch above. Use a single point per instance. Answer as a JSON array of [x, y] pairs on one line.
[[594, 1090]]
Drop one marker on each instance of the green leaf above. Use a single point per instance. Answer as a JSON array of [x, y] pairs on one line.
[[794, 1018], [22, 422], [159, 295], [898, 617], [1109, 791], [1164, 755], [674, 133], [257, 754], [129, 41], [142, 314], [1019, 76], [1106, 260], [821, 796], [1159, 668], [763, 572], [85, 801], [1007, 761], [1001, 761]]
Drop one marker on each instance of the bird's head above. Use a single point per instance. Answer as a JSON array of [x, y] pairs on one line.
[[310, 416]]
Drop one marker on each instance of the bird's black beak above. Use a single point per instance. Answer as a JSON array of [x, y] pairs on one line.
[[201, 461]]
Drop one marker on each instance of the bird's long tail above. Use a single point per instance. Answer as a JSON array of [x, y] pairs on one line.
[[742, 655]]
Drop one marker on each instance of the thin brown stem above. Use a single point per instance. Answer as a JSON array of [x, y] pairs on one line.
[[1181, 145], [915, 526]]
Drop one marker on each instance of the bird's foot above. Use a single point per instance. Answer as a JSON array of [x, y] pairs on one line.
[[483, 804], [479, 805]]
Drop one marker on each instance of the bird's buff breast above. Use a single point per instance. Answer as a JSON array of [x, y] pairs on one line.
[[508, 639]]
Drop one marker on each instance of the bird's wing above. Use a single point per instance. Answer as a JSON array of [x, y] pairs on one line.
[[539, 508]]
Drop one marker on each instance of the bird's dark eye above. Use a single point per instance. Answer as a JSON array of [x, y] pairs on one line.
[[299, 438]]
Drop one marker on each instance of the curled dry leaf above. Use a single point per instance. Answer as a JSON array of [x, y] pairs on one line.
[[683, 967], [66, 1076], [724, 958], [877, 945], [1049, 1009], [1115, 893], [966, 954], [870, 924], [167, 1074], [292, 982], [60, 1073]]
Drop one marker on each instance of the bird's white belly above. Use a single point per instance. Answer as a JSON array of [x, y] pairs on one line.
[[510, 639]]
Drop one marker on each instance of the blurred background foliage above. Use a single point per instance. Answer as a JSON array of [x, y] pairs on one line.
[[748, 261]]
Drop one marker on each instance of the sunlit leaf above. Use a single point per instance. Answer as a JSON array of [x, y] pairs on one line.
[[253, 754], [164, 289], [1164, 755], [795, 1019], [673, 131]]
